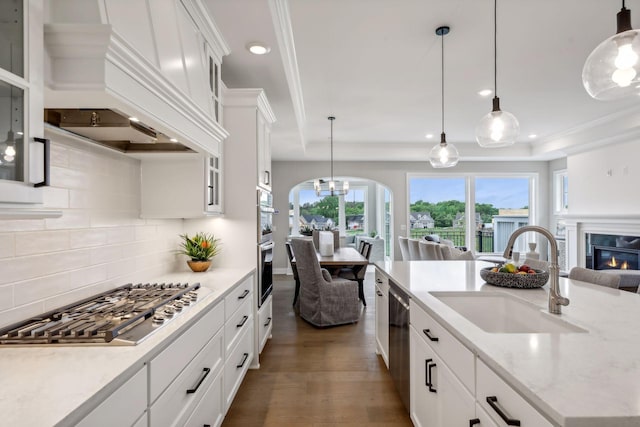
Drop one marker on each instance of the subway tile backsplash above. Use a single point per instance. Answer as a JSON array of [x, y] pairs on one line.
[[100, 241]]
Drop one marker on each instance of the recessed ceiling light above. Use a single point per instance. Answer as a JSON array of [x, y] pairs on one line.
[[429, 136], [258, 48], [532, 136], [173, 140], [134, 119], [485, 92]]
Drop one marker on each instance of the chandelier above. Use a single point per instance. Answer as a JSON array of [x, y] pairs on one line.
[[331, 187]]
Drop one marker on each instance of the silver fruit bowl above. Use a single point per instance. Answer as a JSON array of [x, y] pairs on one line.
[[511, 280]]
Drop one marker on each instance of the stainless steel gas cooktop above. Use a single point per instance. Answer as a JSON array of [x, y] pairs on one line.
[[122, 316]]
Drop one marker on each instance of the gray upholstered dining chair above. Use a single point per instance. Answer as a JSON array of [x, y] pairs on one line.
[[358, 272], [594, 276], [323, 300], [404, 248]]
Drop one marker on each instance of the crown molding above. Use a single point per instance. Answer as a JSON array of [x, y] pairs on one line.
[[284, 34], [249, 97]]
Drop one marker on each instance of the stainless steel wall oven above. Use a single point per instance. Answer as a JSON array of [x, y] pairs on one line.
[[265, 246]]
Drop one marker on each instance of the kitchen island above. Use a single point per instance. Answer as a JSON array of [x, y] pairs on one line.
[[58, 385], [586, 376]]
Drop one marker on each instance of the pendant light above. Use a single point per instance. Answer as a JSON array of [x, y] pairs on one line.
[[612, 71], [443, 155], [498, 128], [324, 188]]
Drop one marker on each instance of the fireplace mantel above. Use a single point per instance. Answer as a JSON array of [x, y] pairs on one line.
[[578, 225]]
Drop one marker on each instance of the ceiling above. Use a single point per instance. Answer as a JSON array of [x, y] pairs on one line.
[[376, 66]]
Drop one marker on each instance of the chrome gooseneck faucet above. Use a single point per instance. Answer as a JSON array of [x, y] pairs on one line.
[[555, 299]]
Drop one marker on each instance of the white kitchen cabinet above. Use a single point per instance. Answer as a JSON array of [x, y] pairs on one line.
[[438, 398], [382, 317], [210, 410], [502, 402], [124, 407], [181, 188], [265, 322], [23, 161], [248, 118], [264, 152]]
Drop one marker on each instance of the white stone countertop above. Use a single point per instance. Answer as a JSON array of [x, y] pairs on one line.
[[55, 385], [587, 379]]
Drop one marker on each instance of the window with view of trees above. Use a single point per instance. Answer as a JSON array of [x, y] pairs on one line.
[[500, 205]]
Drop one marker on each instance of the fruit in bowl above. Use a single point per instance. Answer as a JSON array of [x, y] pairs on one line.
[[511, 276]]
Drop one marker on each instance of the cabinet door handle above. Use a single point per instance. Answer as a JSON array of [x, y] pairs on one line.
[[244, 294], [427, 332], [430, 385], [268, 321], [493, 402], [245, 356], [427, 382], [242, 322], [378, 281], [267, 177], [379, 293], [46, 160], [206, 372], [474, 422]]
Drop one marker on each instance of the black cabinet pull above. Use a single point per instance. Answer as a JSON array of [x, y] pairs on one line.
[[379, 293], [244, 294], [430, 385], [427, 332], [426, 372], [474, 422], [245, 356], [378, 281], [206, 372], [46, 160], [493, 402], [267, 177], [206, 425], [242, 322], [268, 321]]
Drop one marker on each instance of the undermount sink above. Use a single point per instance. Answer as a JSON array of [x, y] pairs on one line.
[[502, 313]]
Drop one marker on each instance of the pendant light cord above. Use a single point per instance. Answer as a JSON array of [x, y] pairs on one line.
[[495, 48], [331, 119], [442, 88]]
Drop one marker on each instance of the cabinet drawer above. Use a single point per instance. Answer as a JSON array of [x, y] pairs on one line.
[[458, 357], [240, 294], [237, 323], [210, 410], [265, 317], [382, 282], [483, 417], [171, 361], [180, 397], [236, 364], [123, 407], [507, 400]]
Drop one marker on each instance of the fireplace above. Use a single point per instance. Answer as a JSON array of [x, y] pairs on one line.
[[612, 252]]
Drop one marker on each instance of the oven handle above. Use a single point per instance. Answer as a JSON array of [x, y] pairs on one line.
[[266, 246]]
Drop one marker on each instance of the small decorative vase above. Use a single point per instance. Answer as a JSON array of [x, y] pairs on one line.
[[532, 247], [199, 266]]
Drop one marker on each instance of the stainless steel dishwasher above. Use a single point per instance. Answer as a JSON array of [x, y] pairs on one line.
[[399, 352]]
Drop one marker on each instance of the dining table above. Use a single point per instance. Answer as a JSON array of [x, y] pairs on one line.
[[345, 258]]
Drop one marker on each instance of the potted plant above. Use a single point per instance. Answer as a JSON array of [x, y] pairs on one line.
[[373, 233], [306, 230], [200, 248]]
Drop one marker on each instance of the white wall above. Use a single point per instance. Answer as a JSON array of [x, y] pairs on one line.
[[99, 242], [394, 176], [604, 180]]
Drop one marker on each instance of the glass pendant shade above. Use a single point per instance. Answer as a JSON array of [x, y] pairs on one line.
[[497, 129], [444, 155], [612, 71]]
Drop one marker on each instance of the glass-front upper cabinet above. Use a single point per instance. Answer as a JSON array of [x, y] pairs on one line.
[[12, 161], [24, 153], [214, 83]]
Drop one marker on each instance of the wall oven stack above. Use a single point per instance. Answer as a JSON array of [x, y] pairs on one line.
[[265, 245]]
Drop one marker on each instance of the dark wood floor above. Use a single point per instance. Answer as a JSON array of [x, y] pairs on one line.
[[318, 377]]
